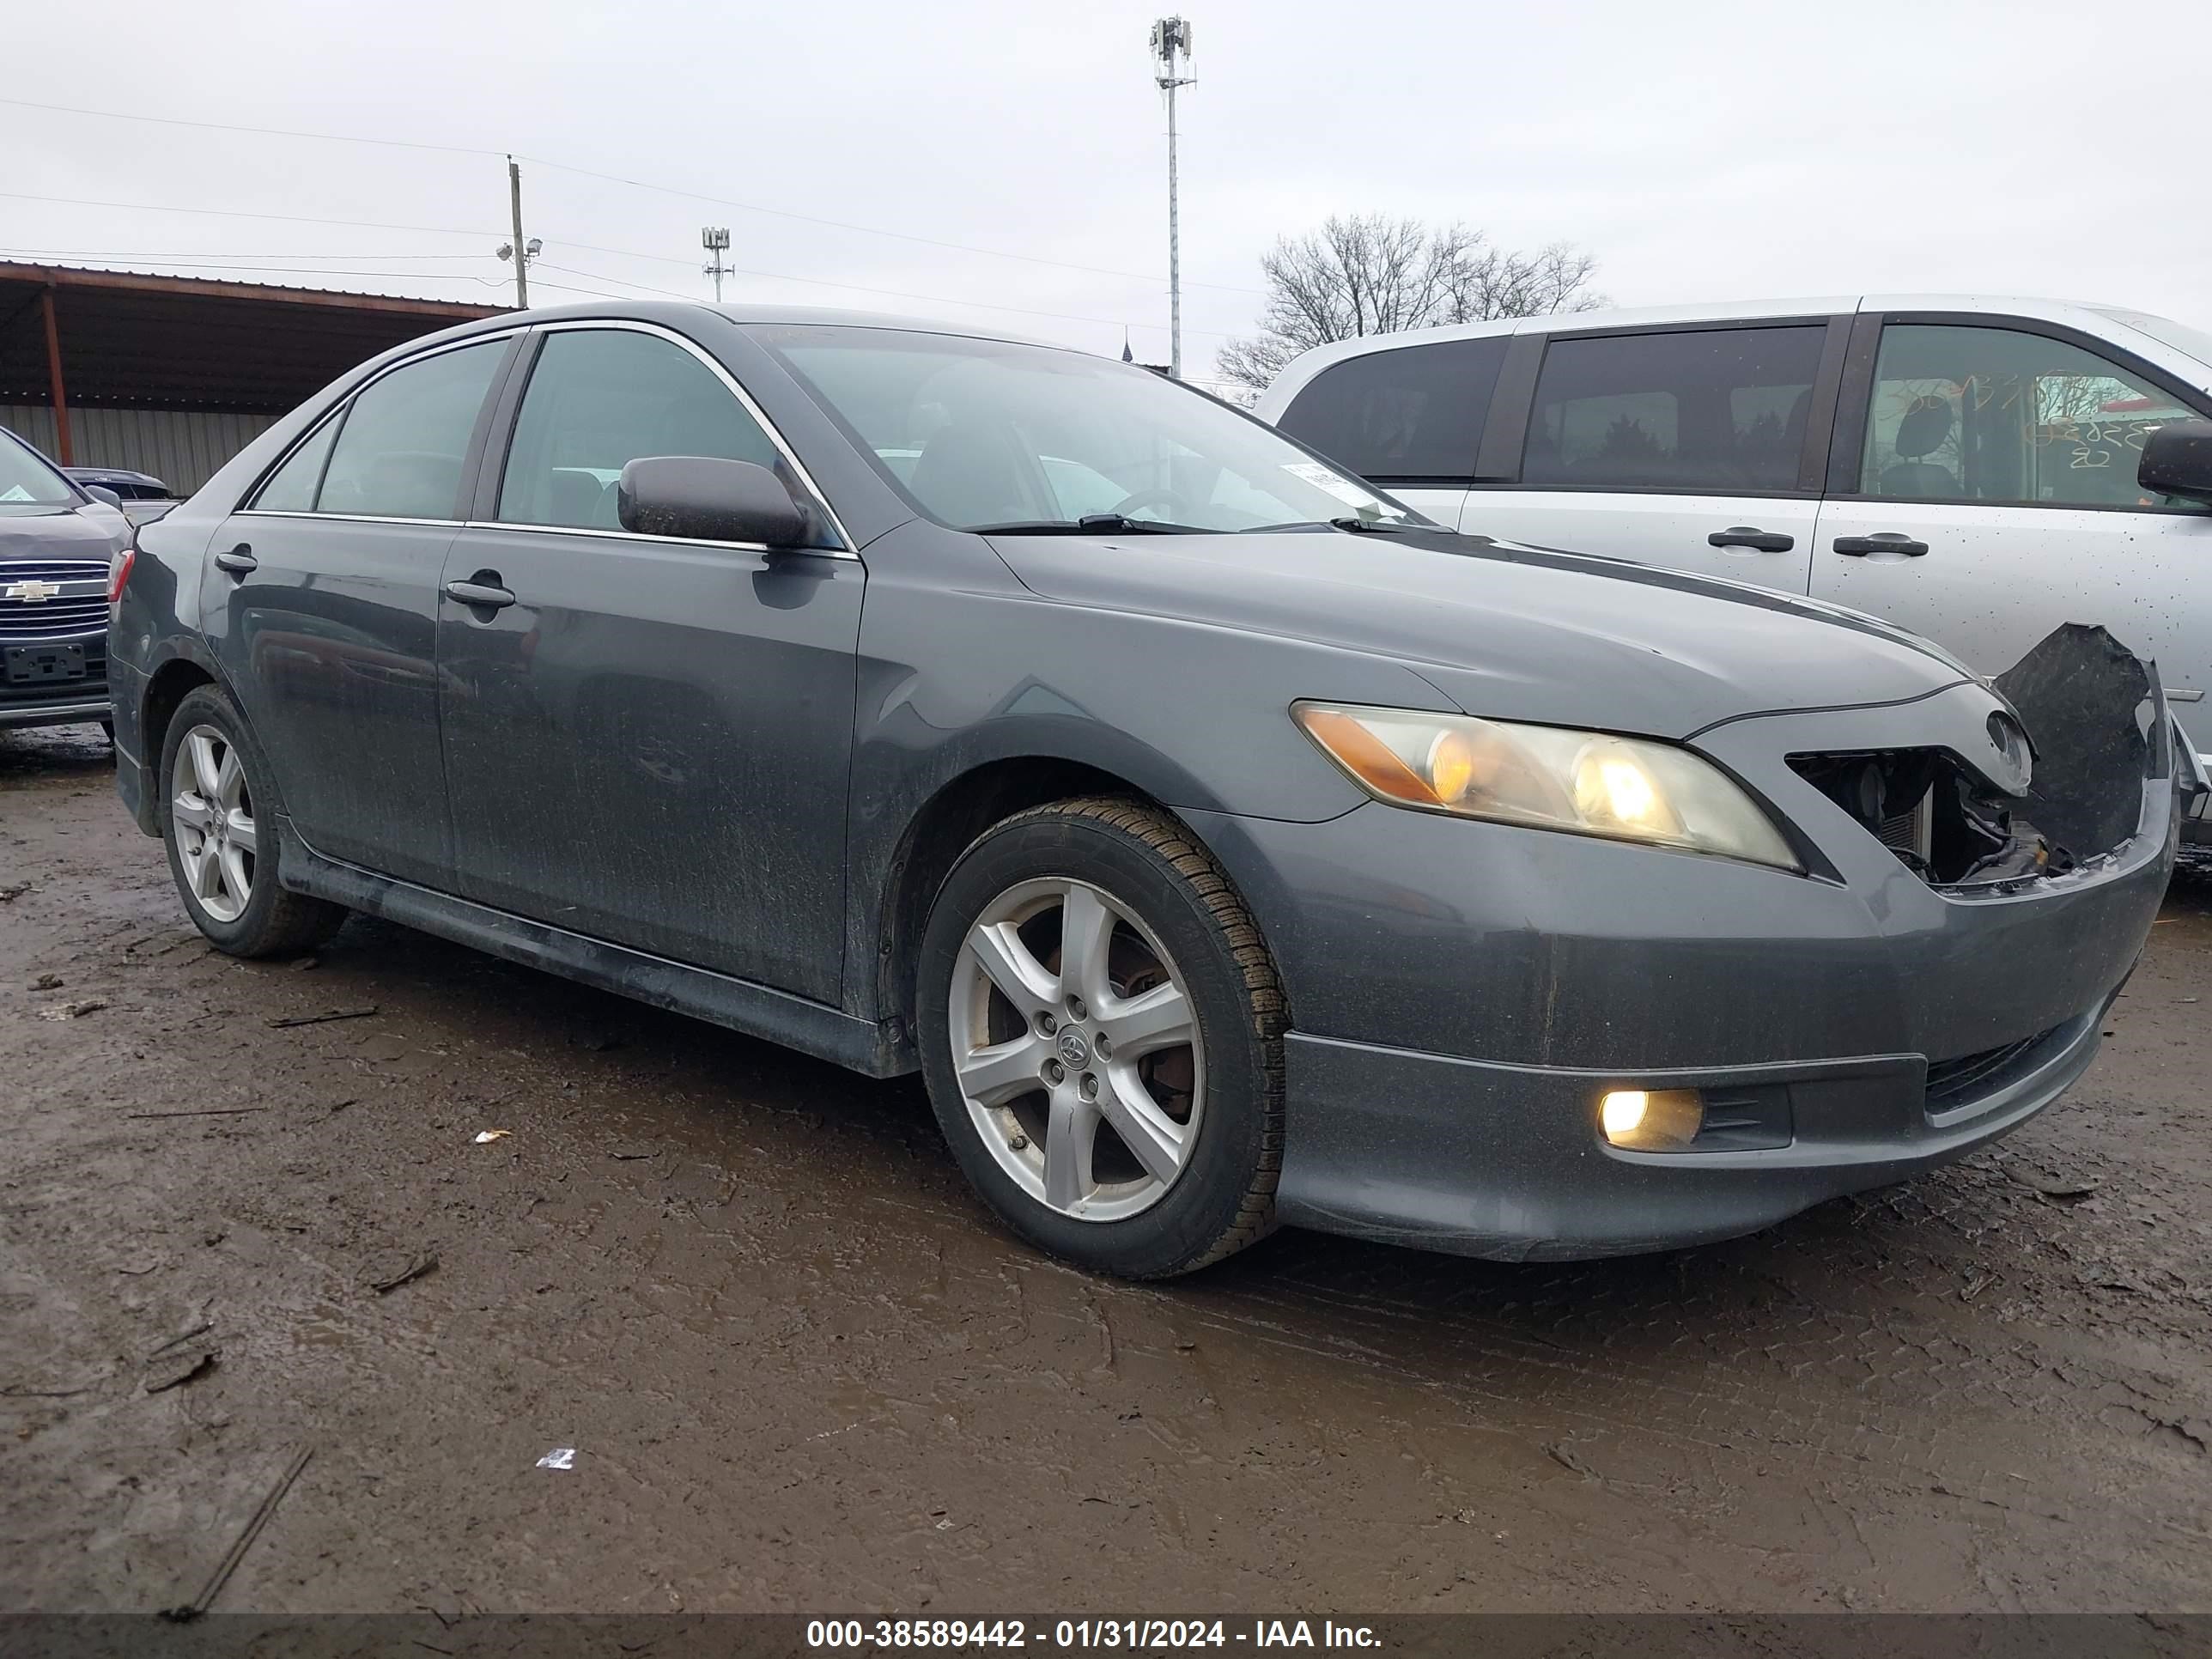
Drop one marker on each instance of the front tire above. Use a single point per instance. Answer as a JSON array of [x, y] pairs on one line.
[[1101, 1029], [223, 849]]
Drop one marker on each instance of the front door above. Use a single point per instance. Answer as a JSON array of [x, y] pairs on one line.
[[1693, 448], [322, 600], [650, 744], [1996, 498]]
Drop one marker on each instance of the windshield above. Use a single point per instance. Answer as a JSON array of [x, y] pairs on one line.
[[980, 434], [26, 481]]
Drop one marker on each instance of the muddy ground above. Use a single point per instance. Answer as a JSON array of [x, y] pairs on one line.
[[801, 1370]]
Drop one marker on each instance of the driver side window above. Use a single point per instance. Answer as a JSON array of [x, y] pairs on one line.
[[2001, 416], [600, 399]]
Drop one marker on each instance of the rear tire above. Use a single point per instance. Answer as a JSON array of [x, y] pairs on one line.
[[218, 813], [1122, 1106]]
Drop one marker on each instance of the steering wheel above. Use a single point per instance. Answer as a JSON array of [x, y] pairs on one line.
[[1128, 507]]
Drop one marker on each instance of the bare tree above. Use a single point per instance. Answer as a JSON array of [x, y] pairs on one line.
[[1370, 274], [1491, 282]]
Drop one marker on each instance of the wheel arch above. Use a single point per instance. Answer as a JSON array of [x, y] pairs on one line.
[[944, 827], [167, 687]]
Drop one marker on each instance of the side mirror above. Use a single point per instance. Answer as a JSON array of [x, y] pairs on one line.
[[2177, 460], [709, 499], [102, 493]]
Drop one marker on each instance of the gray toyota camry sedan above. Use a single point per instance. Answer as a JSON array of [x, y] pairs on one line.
[[1226, 845]]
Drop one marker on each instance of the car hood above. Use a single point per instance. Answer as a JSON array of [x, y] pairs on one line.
[[59, 532], [1506, 630]]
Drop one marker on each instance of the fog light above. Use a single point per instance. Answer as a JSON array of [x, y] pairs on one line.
[[1651, 1120]]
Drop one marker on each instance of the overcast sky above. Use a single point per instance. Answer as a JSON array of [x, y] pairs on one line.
[[1700, 150]]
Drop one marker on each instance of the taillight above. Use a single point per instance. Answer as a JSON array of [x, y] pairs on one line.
[[119, 572]]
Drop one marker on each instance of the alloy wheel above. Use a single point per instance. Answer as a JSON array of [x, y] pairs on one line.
[[212, 811], [1076, 1049]]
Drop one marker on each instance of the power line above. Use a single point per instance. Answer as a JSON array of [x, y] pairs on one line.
[[607, 178], [856, 288], [866, 230], [141, 257], [240, 213], [261, 132], [297, 270]]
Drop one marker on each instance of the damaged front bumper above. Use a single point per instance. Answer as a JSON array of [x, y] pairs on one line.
[[1464, 993]]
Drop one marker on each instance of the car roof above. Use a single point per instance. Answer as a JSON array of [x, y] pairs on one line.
[[675, 314], [2093, 316]]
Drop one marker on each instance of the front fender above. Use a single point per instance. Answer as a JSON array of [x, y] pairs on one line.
[[961, 667]]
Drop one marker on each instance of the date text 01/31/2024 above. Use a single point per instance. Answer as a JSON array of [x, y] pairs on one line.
[[1140, 1634]]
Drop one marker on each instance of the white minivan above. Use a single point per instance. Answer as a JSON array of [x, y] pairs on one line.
[[1965, 467]]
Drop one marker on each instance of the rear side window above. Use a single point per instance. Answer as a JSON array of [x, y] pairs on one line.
[[1414, 414], [1722, 410], [400, 452], [291, 488], [598, 399]]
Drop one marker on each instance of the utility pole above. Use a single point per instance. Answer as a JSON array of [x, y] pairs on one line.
[[1171, 69], [519, 249], [715, 239]]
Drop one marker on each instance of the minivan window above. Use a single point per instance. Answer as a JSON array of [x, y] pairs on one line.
[[1998, 415], [400, 452], [1411, 414], [1719, 410], [598, 399], [988, 434], [291, 488]]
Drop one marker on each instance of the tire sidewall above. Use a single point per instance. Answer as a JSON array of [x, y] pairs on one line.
[[206, 706], [1182, 1227]]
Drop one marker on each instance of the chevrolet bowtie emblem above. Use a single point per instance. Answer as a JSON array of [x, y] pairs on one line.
[[30, 592]]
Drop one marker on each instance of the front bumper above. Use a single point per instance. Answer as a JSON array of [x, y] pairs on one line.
[[1506, 1161], [1462, 992]]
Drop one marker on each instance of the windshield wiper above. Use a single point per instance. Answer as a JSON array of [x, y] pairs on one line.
[[1371, 526], [1093, 524], [1356, 525]]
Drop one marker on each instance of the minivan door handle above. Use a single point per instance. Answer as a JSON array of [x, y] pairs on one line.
[[1744, 535], [481, 591], [239, 561], [1885, 541]]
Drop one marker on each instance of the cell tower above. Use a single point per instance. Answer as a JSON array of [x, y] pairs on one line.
[[1171, 69]]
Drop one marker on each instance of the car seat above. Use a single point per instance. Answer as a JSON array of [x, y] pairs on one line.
[[976, 473], [1925, 428]]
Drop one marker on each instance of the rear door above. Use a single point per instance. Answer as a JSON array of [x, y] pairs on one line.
[[321, 603], [650, 742], [1983, 492], [1698, 446]]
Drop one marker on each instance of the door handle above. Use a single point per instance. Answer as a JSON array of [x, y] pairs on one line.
[[1885, 541], [1744, 535], [239, 561], [481, 591]]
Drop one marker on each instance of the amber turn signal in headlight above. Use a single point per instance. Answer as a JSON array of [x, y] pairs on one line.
[[1546, 777]]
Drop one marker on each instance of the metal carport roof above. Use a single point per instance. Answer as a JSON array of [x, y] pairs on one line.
[[121, 340]]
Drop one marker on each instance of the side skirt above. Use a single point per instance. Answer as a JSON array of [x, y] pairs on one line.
[[812, 1028]]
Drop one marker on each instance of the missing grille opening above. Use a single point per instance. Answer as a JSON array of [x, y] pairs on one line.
[[1942, 821]]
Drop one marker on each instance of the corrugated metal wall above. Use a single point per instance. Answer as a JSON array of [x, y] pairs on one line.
[[181, 447]]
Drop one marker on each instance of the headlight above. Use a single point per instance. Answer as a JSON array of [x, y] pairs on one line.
[[1589, 783]]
